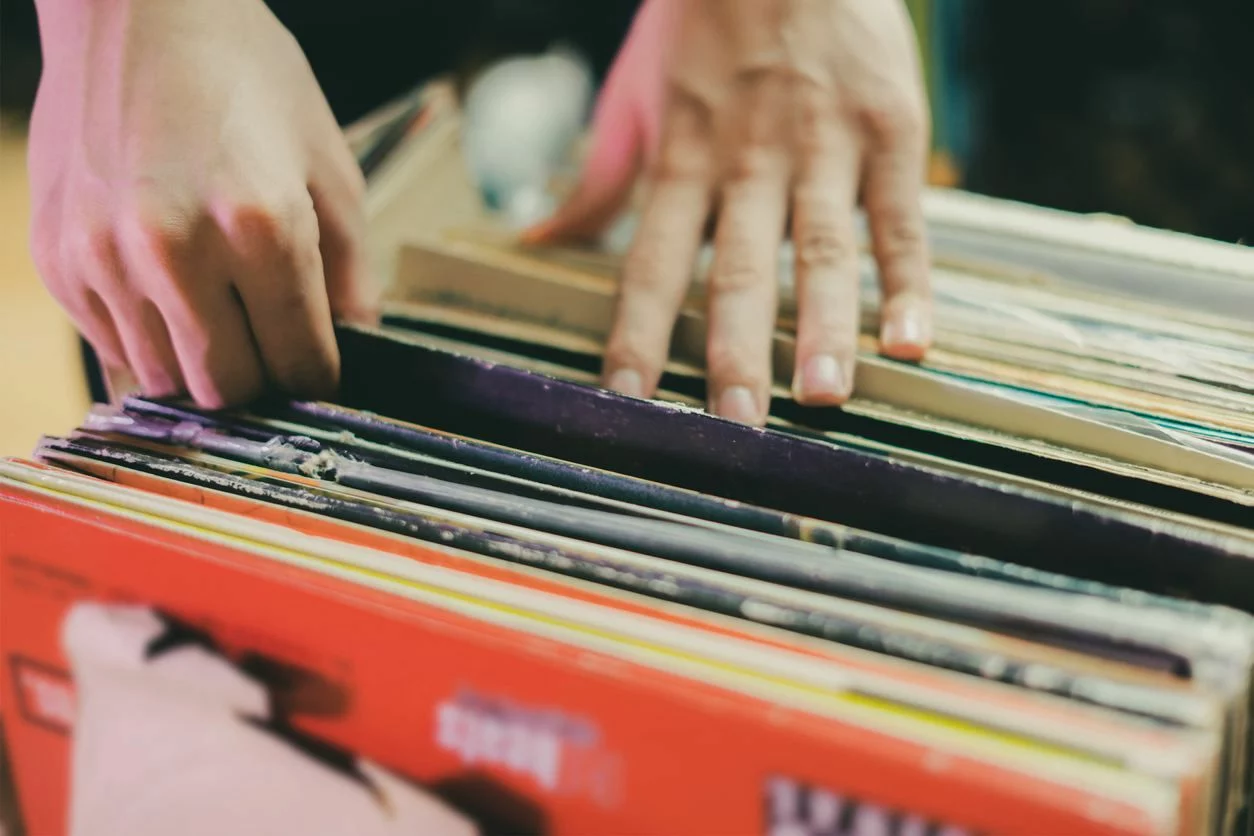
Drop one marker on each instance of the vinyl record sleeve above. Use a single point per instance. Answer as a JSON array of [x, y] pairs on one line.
[[1149, 692], [1155, 637], [400, 376], [676, 584], [400, 445], [1060, 722], [714, 781]]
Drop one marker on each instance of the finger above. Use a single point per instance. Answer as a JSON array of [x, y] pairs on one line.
[[825, 251], [127, 322], [352, 292], [92, 319], [98, 327], [743, 285], [894, 176], [55, 268], [279, 277], [338, 189], [743, 295], [625, 129], [659, 265], [215, 345], [181, 265], [150, 352], [89, 315]]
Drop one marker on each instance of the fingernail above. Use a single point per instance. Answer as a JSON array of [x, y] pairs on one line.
[[361, 317], [906, 329], [820, 378], [627, 382], [738, 404]]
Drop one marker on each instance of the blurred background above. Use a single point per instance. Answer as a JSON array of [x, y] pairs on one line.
[[1141, 108]]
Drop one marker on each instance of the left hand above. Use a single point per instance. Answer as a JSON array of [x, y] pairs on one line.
[[764, 114]]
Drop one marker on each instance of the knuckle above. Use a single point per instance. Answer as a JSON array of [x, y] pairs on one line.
[[821, 247], [898, 231], [736, 277], [644, 272], [754, 161], [812, 134], [677, 166], [626, 350], [681, 158], [278, 227], [736, 271], [94, 247], [164, 235], [815, 124], [895, 120], [760, 123], [256, 224], [882, 123]]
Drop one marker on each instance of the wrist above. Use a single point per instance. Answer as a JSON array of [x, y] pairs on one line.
[[68, 28], [65, 27]]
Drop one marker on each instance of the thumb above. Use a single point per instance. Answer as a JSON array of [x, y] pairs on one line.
[[608, 174], [625, 129]]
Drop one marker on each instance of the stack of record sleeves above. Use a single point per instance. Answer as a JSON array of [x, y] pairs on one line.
[[1004, 590]]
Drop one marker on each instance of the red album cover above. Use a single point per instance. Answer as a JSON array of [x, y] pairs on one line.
[[159, 683]]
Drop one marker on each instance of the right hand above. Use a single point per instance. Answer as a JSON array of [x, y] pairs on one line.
[[196, 209], [770, 118]]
